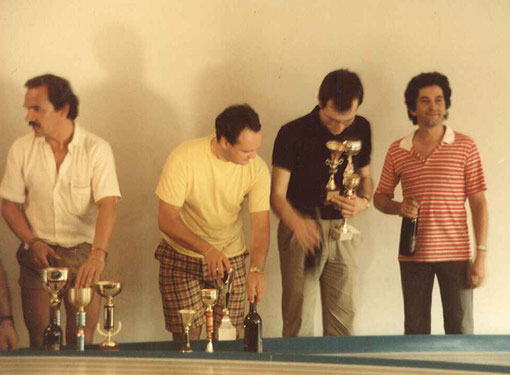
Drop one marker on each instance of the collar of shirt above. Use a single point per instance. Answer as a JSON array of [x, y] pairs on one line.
[[76, 141], [407, 142]]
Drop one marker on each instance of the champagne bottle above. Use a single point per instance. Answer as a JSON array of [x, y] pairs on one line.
[[53, 338], [408, 234], [253, 331]]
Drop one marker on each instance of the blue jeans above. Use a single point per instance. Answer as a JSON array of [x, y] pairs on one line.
[[456, 297]]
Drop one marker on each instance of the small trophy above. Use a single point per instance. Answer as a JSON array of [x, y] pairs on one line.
[[209, 297], [186, 318], [80, 298], [226, 331], [108, 289], [352, 146], [54, 280], [336, 148]]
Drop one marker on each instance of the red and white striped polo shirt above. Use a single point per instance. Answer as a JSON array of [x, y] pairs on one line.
[[441, 183]]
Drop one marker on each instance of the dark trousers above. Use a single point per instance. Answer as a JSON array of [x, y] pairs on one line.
[[457, 299]]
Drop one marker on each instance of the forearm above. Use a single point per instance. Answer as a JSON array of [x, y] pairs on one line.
[[480, 220], [284, 210], [178, 231], [259, 240], [366, 187], [105, 223], [17, 221], [387, 205], [5, 297]]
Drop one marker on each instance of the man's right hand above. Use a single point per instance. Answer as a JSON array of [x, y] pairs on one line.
[[8, 336], [39, 253], [217, 263], [307, 233], [409, 208]]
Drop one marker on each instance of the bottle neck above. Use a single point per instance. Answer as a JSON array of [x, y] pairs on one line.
[[253, 308]]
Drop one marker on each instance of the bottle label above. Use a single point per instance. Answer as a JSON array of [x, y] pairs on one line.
[[80, 343]]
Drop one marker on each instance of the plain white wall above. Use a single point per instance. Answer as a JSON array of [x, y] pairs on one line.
[[151, 74]]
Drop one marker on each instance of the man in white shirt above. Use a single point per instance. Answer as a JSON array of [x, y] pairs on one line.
[[59, 196]]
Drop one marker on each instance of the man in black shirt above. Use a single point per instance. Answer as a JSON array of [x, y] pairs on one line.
[[308, 253]]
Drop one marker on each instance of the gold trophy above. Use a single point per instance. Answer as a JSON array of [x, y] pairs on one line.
[[350, 181], [54, 280], [336, 148], [80, 298], [186, 318], [209, 297], [108, 289], [226, 330]]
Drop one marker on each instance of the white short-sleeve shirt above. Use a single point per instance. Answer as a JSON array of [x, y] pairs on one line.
[[60, 206]]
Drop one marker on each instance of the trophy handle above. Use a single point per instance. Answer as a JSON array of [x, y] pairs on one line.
[[108, 334]]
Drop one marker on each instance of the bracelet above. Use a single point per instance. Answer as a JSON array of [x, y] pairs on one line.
[[482, 248], [257, 270], [27, 245], [6, 317]]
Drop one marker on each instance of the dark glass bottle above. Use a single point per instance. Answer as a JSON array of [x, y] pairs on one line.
[[53, 338], [253, 331], [408, 234]]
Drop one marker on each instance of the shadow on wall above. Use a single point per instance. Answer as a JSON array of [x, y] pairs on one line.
[[141, 127]]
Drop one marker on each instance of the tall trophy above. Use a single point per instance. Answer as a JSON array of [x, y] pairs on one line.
[[333, 162], [108, 290], [54, 280], [226, 331], [80, 298], [209, 297], [186, 318]]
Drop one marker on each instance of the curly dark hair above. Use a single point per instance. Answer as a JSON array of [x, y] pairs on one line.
[[59, 92], [425, 80], [342, 86]]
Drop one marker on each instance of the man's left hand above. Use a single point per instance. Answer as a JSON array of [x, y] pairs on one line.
[[350, 207], [477, 272], [90, 271], [8, 336], [256, 286]]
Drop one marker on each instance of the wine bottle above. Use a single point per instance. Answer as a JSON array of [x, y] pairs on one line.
[[53, 338], [253, 331], [408, 234]]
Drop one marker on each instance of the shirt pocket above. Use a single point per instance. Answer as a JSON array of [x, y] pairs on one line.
[[79, 199]]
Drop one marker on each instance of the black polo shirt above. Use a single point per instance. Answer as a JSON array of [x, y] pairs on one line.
[[300, 147]]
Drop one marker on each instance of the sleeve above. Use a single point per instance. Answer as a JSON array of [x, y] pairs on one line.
[[258, 197], [13, 184], [104, 176], [284, 151], [366, 147], [474, 178], [389, 178], [173, 182]]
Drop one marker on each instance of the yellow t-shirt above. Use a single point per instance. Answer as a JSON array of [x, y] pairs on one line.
[[211, 193]]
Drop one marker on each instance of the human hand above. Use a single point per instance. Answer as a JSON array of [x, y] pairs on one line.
[[307, 233], [256, 287], [476, 274], [217, 263], [90, 271], [349, 206], [8, 336], [409, 208], [39, 252]]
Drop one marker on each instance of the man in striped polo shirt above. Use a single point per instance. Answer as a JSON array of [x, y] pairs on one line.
[[438, 169]]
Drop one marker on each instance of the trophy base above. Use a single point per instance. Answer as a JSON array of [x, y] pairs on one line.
[[110, 346], [338, 234]]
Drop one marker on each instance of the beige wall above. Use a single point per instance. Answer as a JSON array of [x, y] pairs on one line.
[[151, 74]]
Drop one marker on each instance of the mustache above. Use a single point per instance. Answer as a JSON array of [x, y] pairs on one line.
[[33, 123]]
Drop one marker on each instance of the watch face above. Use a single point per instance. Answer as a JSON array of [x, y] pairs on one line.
[[26, 246]]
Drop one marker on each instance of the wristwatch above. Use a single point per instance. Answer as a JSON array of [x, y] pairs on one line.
[[27, 245], [6, 317], [368, 201]]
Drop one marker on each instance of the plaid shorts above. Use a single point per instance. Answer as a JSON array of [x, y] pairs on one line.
[[181, 279]]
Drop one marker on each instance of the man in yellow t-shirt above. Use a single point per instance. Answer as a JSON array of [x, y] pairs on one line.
[[201, 192]]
